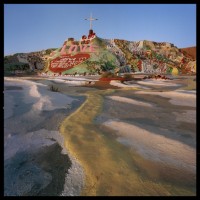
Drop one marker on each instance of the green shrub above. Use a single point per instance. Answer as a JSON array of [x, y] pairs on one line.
[[128, 77], [53, 88], [108, 75]]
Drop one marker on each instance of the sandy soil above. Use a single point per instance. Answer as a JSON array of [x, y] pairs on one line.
[[145, 130], [130, 101], [163, 132], [153, 146], [38, 163]]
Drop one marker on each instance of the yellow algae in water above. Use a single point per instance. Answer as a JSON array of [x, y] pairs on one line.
[[111, 169]]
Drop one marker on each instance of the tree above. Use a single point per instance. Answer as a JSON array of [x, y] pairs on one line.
[[13, 68], [18, 66], [109, 65]]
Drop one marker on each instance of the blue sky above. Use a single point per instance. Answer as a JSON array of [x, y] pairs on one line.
[[34, 27]]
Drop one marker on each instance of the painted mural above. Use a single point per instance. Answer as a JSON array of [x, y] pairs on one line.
[[153, 57], [87, 56], [67, 61], [94, 55]]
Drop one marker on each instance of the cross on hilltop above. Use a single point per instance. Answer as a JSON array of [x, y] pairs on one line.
[[91, 19]]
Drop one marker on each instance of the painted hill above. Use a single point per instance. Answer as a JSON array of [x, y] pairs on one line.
[[191, 51], [94, 55]]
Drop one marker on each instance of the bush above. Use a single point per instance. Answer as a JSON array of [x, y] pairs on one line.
[[128, 77], [106, 66], [53, 89], [108, 75]]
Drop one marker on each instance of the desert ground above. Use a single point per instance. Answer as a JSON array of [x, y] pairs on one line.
[[95, 138]]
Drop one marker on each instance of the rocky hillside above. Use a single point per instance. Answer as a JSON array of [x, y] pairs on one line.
[[94, 55], [35, 61], [190, 51]]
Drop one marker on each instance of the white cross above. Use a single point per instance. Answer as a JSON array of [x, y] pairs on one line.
[[91, 19]]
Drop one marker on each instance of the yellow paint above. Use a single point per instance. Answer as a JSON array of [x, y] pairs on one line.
[[175, 71], [149, 52]]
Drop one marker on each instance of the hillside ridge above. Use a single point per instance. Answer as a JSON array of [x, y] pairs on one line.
[[95, 55]]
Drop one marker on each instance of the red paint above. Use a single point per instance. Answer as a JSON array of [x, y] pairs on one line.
[[83, 48], [139, 65], [77, 48], [67, 61], [62, 52], [52, 53], [73, 48], [84, 37], [110, 79], [92, 48]]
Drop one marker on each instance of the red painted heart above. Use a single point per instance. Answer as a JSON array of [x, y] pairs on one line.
[[68, 61]]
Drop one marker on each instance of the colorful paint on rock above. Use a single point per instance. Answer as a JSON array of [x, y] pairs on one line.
[[94, 55], [66, 62], [175, 71]]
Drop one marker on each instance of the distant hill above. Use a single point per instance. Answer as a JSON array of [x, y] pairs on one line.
[[191, 51], [35, 61]]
